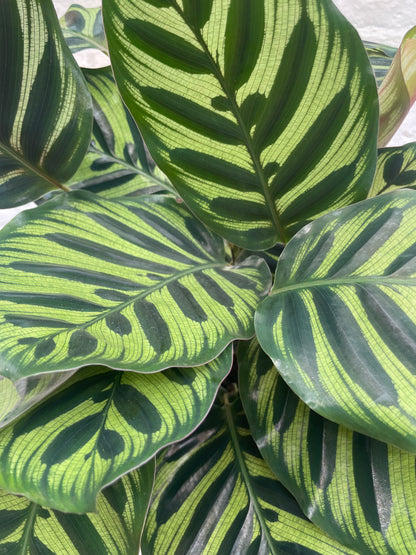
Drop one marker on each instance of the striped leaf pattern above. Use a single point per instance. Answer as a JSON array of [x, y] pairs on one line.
[[214, 494], [30, 529], [118, 162], [340, 324], [396, 169], [83, 28], [359, 490], [99, 425], [137, 285], [46, 114], [381, 57], [244, 106]]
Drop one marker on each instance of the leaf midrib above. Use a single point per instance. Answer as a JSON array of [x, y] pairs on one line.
[[359, 280], [246, 135]]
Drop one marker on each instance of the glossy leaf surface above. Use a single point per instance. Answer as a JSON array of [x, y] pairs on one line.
[[359, 490], [45, 115], [99, 425], [398, 90], [137, 285], [340, 324], [28, 529], [118, 163], [83, 28], [396, 169], [244, 106], [214, 494], [381, 57]]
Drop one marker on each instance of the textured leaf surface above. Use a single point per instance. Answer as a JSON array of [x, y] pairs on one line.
[[99, 425], [28, 529], [340, 324], [45, 115], [397, 92], [381, 57], [118, 162], [359, 490], [214, 494], [244, 106], [137, 285], [83, 28], [396, 169]]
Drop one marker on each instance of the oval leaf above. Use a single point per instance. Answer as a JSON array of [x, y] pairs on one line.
[[215, 494], [99, 425], [244, 106], [137, 285], [340, 323], [396, 169], [115, 528], [46, 113], [359, 490]]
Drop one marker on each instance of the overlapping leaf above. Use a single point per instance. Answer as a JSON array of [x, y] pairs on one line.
[[138, 284], [100, 424], [118, 163], [245, 106], [396, 169], [214, 494], [381, 57], [45, 115], [340, 324], [115, 528], [359, 490], [83, 28]]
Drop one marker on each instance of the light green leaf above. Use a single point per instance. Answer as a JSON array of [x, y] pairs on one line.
[[214, 494], [340, 324], [396, 169], [46, 114], [397, 92], [381, 57], [360, 491], [100, 424], [83, 28], [118, 162], [245, 105], [29, 529], [138, 284]]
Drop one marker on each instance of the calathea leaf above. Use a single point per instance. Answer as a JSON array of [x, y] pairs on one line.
[[118, 162], [46, 115], [244, 106], [381, 57], [340, 323], [28, 528], [214, 494], [83, 28], [359, 490], [138, 284], [100, 424], [396, 169]]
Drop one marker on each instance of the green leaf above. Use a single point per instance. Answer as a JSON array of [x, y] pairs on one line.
[[396, 169], [245, 105], [360, 491], [46, 114], [17, 397], [118, 163], [214, 494], [83, 28], [340, 324], [100, 424], [381, 57], [27, 528], [138, 284], [397, 92]]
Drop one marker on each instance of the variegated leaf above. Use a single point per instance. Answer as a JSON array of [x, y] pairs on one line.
[[359, 490], [245, 105], [99, 425], [138, 284], [340, 324], [83, 28], [396, 169], [381, 57], [45, 114]]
